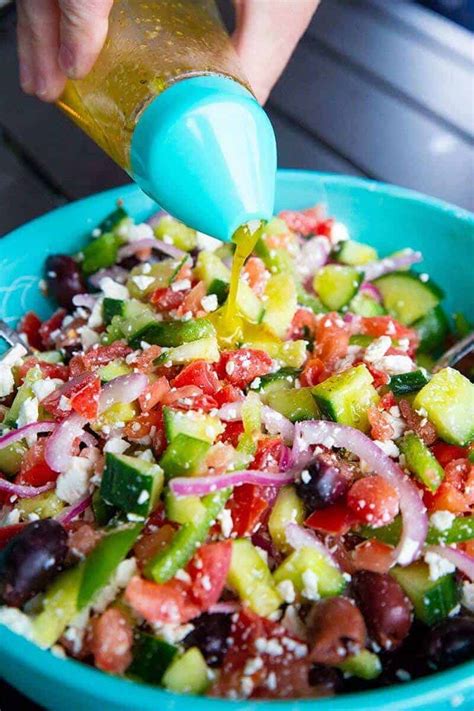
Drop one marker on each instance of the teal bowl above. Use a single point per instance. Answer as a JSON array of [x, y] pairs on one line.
[[385, 216]]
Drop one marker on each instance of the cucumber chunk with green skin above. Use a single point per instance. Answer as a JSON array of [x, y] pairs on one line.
[[103, 511], [186, 540], [136, 317], [113, 221], [168, 229], [202, 349], [407, 296], [432, 600], [132, 485], [346, 397], [11, 458], [408, 382], [184, 509], [183, 456], [420, 461], [448, 400], [173, 333], [310, 301], [364, 665], [59, 607], [311, 574], [111, 308], [288, 508], [280, 301], [45, 505], [281, 379], [433, 329], [359, 339], [209, 268], [151, 658], [22, 394], [336, 285], [220, 289], [250, 577], [364, 305], [461, 529], [355, 254], [100, 565], [100, 253], [194, 424], [296, 404], [113, 370], [188, 674]]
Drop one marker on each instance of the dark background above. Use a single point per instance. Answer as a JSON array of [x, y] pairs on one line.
[[377, 88]]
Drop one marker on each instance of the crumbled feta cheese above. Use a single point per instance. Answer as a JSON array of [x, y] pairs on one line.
[[410, 546], [305, 476], [95, 319], [207, 243], [339, 232], [116, 445], [388, 447], [16, 621], [64, 403], [183, 576], [225, 519], [9, 359], [287, 591], [467, 599], [146, 455], [269, 646], [12, 518], [181, 285], [442, 520], [77, 629], [119, 580], [310, 582], [43, 388], [73, 484], [143, 496], [394, 364], [377, 349], [88, 337], [135, 233], [112, 289], [252, 665], [142, 281], [438, 565], [271, 681], [27, 415], [209, 303], [172, 633], [246, 686]]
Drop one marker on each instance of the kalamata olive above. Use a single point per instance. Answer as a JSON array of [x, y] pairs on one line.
[[31, 560], [64, 279], [450, 642], [386, 609], [328, 680], [337, 629], [324, 482], [210, 634]]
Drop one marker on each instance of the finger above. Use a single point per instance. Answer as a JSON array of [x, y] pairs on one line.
[[83, 29], [38, 41], [266, 35]]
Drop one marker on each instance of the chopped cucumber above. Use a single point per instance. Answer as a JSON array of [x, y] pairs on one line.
[[433, 600], [45, 505], [194, 424], [11, 458], [355, 253], [111, 308], [336, 285], [280, 303], [136, 317], [112, 222], [288, 508], [364, 665], [407, 297], [292, 353], [280, 380], [186, 540], [173, 333], [132, 485], [220, 289], [22, 394], [364, 305], [188, 674], [184, 509], [209, 268], [248, 303], [170, 230], [151, 658], [461, 529], [183, 456], [144, 280], [311, 574], [420, 461], [100, 565], [113, 370], [346, 397], [448, 400], [100, 253], [250, 577], [360, 339], [433, 329], [59, 607], [296, 403], [103, 511], [118, 413], [202, 349], [408, 382], [252, 415]]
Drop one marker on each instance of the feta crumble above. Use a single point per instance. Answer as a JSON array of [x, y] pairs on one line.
[[112, 289], [73, 484], [438, 565], [442, 520], [209, 303]]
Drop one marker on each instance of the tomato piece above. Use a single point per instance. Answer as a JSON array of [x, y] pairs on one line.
[[380, 378], [324, 228], [373, 500], [381, 428], [152, 540], [192, 301], [86, 401], [167, 603], [387, 401], [373, 555], [50, 326], [332, 338], [242, 366], [102, 355], [314, 372], [9, 532], [446, 498], [199, 373], [303, 221], [445, 453], [256, 275], [48, 370], [142, 425], [143, 362], [165, 299], [229, 393], [153, 394], [112, 640], [377, 326], [268, 454], [30, 325], [336, 519], [34, 470], [247, 507], [208, 570], [303, 324], [232, 432], [82, 391]]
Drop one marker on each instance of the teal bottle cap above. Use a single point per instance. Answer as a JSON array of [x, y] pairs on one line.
[[205, 150]]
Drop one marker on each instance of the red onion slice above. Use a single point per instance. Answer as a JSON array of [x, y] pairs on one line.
[[300, 537], [154, 219], [373, 270], [71, 512], [371, 290], [124, 389], [231, 411], [118, 274], [463, 561], [414, 517], [31, 429], [58, 450], [150, 243], [312, 256], [286, 459], [202, 485], [25, 492], [276, 423]]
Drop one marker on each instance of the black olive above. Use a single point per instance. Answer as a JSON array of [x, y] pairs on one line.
[[64, 279], [31, 560], [450, 642], [325, 481], [328, 679], [210, 635]]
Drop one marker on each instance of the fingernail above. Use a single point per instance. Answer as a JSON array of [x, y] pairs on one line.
[[26, 80], [66, 60], [41, 86]]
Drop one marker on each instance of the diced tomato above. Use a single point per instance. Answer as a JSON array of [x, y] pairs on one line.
[[373, 555], [377, 326], [303, 221], [208, 570], [34, 470], [48, 370], [303, 323], [220, 457], [247, 507], [83, 392], [184, 400], [30, 325], [192, 301], [199, 373], [184, 393], [446, 498], [153, 394], [232, 432], [112, 640], [144, 361], [102, 355], [82, 537], [381, 428], [229, 393], [165, 299], [167, 603], [324, 228], [336, 519], [387, 401], [373, 500], [153, 539], [241, 366], [268, 454], [380, 378], [50, 326], [314, 372], [256, 274], [9, 532], [142, 425], [332, 338], [445, 453]]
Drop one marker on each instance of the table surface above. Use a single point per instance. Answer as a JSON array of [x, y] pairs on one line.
[[378, 89]]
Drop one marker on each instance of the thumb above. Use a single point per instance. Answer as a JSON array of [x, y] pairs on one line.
[[83, 29]]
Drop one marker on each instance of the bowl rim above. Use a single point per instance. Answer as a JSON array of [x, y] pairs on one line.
[[442, 686]]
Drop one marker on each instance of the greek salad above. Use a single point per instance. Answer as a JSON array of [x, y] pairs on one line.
[[281, 509]]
